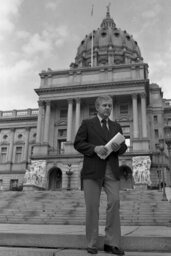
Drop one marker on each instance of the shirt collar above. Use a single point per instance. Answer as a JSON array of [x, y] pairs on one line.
[[100, 119]]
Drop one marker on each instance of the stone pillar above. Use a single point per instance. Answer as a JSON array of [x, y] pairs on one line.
[[77, 121], [26, 144], [169, 151], [69, 119], [47, 121], [143, 115], [39, 122], [112, 112], [10, 156], [135, 116], [114, 108]]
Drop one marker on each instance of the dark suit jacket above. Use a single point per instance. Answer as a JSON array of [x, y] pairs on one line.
[[89, 135]]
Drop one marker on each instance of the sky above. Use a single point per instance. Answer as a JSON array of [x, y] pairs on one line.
[[39, 34]]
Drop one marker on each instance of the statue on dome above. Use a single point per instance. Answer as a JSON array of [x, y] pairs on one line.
[[108, 8]]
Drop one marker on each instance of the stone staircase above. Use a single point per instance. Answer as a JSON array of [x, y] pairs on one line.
[[144, 208]]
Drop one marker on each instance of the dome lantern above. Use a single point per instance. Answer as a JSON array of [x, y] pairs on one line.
[[108, 22]]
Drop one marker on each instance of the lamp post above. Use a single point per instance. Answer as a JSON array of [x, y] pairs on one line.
[[69, 174], [158, 165], [167, 133], [161, 147]]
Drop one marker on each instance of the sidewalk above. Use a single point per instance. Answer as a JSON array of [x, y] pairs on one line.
[[66, 252], [134, 238]]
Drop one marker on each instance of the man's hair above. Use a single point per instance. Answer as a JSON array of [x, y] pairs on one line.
[[102, 98]]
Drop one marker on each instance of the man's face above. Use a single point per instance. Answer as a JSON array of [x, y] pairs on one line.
[[104, 108]]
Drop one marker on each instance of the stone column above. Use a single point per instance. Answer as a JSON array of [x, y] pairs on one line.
[[112, 112], [143, 115], [26, 144], [69, 119], [39, 122], [10, 156], [47, 121], [135, 116], [77, 121]]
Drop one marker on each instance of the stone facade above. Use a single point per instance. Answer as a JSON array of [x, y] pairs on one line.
[[67, 97]]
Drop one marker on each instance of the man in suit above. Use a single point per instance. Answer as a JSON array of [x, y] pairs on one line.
[[96, 173]]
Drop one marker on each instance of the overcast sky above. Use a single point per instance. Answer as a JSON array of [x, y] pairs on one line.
[[40, 34]]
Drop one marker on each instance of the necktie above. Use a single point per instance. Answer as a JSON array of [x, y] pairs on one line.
[[105, 129]]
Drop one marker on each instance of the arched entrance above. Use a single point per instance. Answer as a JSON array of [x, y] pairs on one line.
[[126, 178], [55, 179]]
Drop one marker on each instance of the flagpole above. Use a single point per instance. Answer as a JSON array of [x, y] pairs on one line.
[[92, 50], [92, 40]]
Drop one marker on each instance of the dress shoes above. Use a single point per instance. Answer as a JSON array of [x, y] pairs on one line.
[[113, 250], [92, 250]]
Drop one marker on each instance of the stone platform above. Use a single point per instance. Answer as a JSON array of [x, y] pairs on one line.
[[134, 238]]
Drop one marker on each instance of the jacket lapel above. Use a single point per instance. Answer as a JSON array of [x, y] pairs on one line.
[[98, 128], [112, 129]]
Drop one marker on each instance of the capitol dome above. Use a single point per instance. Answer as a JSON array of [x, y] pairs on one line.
[[111, 46]]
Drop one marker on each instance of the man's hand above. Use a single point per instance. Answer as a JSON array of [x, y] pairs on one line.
[[115, 146], [100, 150]]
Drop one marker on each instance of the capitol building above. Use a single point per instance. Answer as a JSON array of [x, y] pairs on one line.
[[108, 61]]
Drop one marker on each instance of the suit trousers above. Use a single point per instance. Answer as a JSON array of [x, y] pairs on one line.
[[92, 191]]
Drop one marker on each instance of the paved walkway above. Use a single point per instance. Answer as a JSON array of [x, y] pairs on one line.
[[134, 238], [84, 253], [139, 231], [66, 252]]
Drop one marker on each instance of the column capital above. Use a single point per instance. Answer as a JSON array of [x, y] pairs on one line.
[[134, 96], [70, 100], [77, 100], [40, 103], [143, 95], [47, 102]]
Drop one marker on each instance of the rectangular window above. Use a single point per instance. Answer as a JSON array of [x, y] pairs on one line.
[[128, 143], [1, 184], [156, 133], [32, 149], [13, 184], [3, 156], [63, 113], [126, 129], [124, 109], [169, 121], [155, 119], [92, 111], [18, 154], [61, 146], [62, 132]]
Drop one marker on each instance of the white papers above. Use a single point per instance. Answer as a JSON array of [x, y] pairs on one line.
[[118, 138]]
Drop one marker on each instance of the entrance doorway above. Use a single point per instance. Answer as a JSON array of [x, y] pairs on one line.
[[126, 179], [55, 179]]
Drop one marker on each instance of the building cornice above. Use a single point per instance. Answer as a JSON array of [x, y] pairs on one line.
[[50, 72], [17, 119], [78, 88]]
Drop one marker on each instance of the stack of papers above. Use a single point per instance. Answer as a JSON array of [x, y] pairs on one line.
[[118, 138]]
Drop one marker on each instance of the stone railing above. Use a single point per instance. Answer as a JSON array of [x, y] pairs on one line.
[[19, 113], [168, 102]]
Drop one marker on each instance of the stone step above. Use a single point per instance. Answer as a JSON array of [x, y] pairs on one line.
[[153, 239], [9, 251], [68, 207]]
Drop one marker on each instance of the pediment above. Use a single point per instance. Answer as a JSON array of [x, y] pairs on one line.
[[123, 118], [61, 123]]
